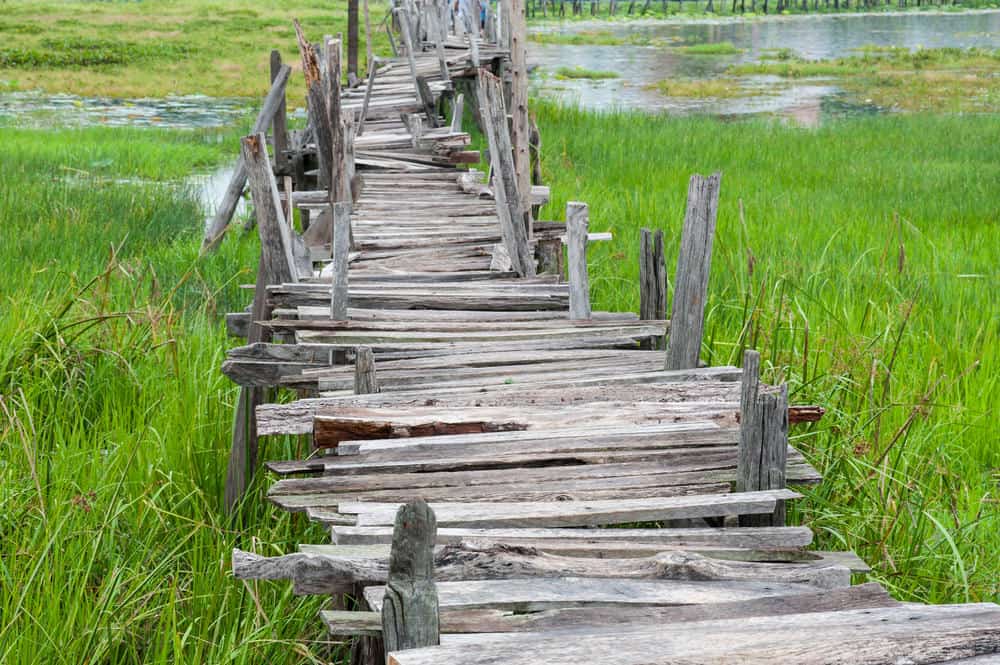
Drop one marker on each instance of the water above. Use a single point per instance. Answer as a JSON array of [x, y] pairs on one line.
[[37, 109], [812, 37]]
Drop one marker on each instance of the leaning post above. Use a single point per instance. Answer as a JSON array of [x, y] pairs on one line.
[[410, 608], [687, 320]]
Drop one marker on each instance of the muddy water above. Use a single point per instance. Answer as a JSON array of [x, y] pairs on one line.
[[813, 37]]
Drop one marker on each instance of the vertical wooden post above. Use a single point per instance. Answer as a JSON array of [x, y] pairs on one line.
[[694, 262], [652, 278], [577, 225], [340, 250], [457, 110], [494, 118], [438, 9], [763, 444], [279, 124], [521, 127], [276, 265], [369, 48], [410, 617], [319, 113], [352, 38], [365, 378], [338, 191]]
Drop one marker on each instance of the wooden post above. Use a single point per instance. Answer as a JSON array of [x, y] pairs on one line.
[[369, 49], [338, 192], [275, 98], [687, 319], [521, 127], [279, 124], [457, 109], [577, 224], [352, 38], [427, 104], [763, 444], [372, 69], [494, 118], [410, 617], [276, 266], [652, 278], [340, 250], [365, 378], [440, 34], [319, 113]]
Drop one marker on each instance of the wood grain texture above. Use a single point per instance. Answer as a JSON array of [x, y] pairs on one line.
[[410, 603]]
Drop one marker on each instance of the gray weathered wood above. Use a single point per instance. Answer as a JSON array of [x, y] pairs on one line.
[[652, 278], [274, 100], [372, 71], [457, 109], [749, 457], [763, 443], [577, 225], [508, 201], [319, 114], [279, 123], [276, 265], [871, 636], [410, 604], [365, 378], [340, 250], [406, 31], [693, 266]]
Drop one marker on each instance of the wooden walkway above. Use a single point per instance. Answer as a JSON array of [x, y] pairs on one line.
[[506, 481]]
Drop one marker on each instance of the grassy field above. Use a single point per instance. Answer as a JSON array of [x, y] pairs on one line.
[[114, 418], [157, 48], [860, 259]]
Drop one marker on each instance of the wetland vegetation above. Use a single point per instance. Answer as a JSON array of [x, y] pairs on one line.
[[859, 257]]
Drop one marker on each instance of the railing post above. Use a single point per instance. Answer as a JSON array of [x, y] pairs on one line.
[[410, 608], [577, 225], [652, 279], [687, 320], [340, 250], [763, 442]]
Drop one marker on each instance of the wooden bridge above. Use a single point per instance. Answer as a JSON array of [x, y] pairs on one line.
[[509, 476]]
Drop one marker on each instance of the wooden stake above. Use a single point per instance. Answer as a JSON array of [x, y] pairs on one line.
[[687, 320], [365, 379], [340, 250], [410, 609], [279, 124], [520, 128], [652, 278], [457, 109], [372, 69], [352, 38], [763, 445], [369, 52], [577, 224]]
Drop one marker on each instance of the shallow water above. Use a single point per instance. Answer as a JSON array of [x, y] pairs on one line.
[[812, 37], [37, 109]]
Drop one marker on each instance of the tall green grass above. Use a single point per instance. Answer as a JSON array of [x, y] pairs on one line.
[[860, 258], [114, 417]]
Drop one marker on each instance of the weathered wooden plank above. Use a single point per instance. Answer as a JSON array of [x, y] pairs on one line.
[[869, 595], [576, 513], [872, 636], [341, 248]]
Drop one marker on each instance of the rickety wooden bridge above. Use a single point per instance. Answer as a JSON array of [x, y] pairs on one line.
[[508, 476]]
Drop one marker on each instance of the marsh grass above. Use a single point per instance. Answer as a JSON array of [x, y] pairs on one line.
[[860, 259], [719, 88], [581, 73], [939, 79], [114, 417], [153, 49]]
